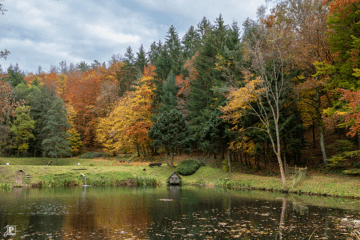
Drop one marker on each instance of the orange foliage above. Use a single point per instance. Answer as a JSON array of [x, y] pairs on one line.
[[352, 117], [82, 93]]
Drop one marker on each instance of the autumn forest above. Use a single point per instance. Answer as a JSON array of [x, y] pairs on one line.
[[245, 94]]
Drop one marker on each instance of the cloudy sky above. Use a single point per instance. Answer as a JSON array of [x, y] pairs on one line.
[[45, 32]]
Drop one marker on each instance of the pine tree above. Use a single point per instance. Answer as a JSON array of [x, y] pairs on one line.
[[168, 100], [129, 55], [15, 75], [55, 141], [190, 42], [141, 60], [154, 53], [173, 47]]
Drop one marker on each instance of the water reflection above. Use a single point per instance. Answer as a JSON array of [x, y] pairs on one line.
[[193, 213]]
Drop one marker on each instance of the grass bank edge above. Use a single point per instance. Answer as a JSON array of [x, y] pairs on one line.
[[134, 175]]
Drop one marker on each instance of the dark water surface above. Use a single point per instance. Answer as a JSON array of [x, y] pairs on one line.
[[193, 213]]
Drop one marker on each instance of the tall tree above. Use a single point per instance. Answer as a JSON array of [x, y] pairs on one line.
[[126, 127], [55, 141], [306, 21], [7, 102], [190, 42], [129, 55], [141, 60], [174, 49], [22, 127], [168, 99]]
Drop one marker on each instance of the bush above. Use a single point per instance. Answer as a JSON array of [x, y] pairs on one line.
[[341, 146], [187, 167], [91, 155]]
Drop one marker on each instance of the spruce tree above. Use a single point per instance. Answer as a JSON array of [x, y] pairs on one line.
[[190, 42], [168, 100], [129, 55], [174, 49], [141, 60], [56, 141]]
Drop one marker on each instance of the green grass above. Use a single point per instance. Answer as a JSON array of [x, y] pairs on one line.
[[103, 173]]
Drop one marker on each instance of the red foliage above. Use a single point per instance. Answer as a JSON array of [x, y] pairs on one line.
[[82, 92]]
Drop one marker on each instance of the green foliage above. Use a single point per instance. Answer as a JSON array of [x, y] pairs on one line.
[[187, 167], [341, 146], [170, 130], [55, 141], [344, 39], [352, 171], [169, 92], [338, 161], [15, 75], [225, 165], [92, 155], [22, 128], [141, 60]]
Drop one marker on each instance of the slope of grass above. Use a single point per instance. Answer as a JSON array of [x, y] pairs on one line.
[[104, 174]]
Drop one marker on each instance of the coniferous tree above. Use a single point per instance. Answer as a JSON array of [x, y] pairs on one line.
[[129, 56], [171, 131], [15, 75], [141, 60], [168, 100], [56, 141], [174, 49], [154, 53], [190, 42], [204, 99]]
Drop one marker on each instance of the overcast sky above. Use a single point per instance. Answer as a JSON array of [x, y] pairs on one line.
[[45, 32]]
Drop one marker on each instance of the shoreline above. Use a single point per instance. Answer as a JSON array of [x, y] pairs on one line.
[[60, 176]]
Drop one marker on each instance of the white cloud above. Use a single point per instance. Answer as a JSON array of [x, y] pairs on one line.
[[106, 33], [45, 32]]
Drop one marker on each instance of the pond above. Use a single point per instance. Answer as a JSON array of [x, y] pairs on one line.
[[176, 212]]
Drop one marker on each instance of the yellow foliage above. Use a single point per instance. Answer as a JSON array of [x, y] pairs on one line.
[[241, 99], [130, 120]]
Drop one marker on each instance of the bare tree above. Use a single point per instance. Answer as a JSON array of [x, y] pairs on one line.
[[264, 94]]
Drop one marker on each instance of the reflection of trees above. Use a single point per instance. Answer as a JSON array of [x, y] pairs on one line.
[[104, 216]]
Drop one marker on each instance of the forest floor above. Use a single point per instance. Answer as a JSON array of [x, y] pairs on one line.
[[24, 172]]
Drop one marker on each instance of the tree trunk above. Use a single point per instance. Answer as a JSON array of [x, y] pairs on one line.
[[313, 131], [278, 154], [228, 158], [223, 155], [321, 127], [137, 149], [56, 157], [267, 155], [166, 156], [172, 158]]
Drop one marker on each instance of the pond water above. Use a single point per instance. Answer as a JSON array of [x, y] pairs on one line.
[[171, 213]]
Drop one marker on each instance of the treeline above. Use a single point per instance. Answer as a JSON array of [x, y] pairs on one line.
[[245, 95]]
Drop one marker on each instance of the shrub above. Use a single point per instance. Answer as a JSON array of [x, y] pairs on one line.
[[341, 146], [187, 167], [91, 155]]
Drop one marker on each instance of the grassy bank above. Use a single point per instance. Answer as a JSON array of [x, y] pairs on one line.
[[33, 172]]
